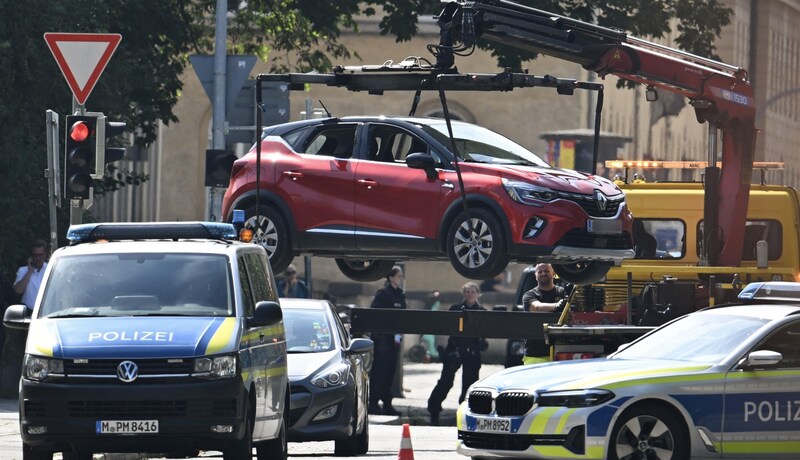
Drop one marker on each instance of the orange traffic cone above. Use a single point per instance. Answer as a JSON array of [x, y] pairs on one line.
[[406, 451]]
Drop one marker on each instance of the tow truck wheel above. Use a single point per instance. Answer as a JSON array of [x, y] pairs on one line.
[[477, 248], [364, 270], [28, 453], [648, 431], [582, 273], [270, 231]]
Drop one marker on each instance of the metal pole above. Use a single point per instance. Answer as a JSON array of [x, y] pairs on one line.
[[52, 174], [218, 114]]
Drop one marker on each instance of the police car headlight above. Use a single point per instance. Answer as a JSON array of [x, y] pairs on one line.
[[574, 398], [332, 377], [523, 192], [39, 368], [218, 367]]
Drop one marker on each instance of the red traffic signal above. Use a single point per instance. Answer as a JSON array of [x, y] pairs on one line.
[[80, 156], [79, 131]]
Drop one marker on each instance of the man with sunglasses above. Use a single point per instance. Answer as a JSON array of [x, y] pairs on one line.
[[29, 277], [291, 285]]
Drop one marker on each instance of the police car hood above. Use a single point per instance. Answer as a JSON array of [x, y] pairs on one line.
[[132, 337], [583, 374], [304, 365]]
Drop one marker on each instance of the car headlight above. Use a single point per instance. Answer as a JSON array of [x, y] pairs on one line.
[[335, 376], [39, 368], [217, 367], [523, 192], [574, 398]]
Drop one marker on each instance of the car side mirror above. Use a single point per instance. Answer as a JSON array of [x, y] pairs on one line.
[[763, 358], [17, 317], [422, 161], [267, 313], [360, 346]]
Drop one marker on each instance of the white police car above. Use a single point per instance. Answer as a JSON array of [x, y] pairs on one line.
[[723, 382], [163, 338]]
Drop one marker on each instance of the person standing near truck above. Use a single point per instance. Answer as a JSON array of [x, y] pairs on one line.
[[545, 297]]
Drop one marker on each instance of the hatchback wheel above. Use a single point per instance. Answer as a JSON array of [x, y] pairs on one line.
[[270, 231], [582, 273], [364, 270], [477, 247], [648, 432]]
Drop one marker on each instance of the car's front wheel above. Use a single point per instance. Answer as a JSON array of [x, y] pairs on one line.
[[364, 270], [270, 231], [243, 448], [582, 273], [648, 431], [29, 453], [476, 246], [349, 447]]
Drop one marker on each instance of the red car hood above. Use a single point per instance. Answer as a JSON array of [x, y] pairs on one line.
[[564, 180]]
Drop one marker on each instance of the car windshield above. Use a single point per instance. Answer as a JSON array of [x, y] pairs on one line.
[[138, 284], [307, 331], [705, 338], [482, 145]]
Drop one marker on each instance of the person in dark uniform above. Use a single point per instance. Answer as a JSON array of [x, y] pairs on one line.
[[460, 351], [545, 297], [387, 346]]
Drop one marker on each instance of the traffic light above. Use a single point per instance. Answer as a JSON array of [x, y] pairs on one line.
[[110, 130], [218, 167], [80, 156]]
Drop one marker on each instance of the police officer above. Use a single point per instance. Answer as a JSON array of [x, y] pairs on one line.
[[460, 351], [545, 297], [387, 346]]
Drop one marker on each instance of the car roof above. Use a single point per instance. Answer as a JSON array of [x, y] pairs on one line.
[[304, 304]]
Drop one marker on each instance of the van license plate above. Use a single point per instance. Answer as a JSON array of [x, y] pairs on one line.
[[605, 227], [492, 424], [127, 426]]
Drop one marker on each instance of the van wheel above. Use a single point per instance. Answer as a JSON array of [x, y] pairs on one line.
[[276, 449], [582, 273], [648, 431], [364, 270], [29, 453], [76, 455], [481, 253], [271, 232], [242, 449]]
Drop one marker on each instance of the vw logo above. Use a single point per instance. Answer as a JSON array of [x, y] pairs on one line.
[[601, 200], [127, 371]]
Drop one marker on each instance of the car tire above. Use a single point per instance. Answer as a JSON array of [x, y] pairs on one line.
[[482, 259], [243, 448], [272, 234], [348, 447], [76, 455], [648, 431], [29, 453], [363, 437], [582, 273], [364, 270], [278, 448]]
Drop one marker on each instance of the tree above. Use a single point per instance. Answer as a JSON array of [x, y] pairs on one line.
[[142, 82]]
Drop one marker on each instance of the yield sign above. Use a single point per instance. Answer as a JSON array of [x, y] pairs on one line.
[[82, 58]]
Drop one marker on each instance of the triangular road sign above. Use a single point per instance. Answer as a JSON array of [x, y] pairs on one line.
[[82, 58]]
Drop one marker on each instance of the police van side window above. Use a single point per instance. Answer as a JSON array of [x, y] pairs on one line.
[[247, 293], [785, 341], [259, 278]]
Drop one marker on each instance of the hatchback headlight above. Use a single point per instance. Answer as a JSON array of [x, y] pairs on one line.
[[335, 376], [39, 368], [526, 193], [574, 398], [218, 367]]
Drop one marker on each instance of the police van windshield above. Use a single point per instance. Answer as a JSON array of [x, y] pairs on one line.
[[139, 284], [307, 331], [702, 338]]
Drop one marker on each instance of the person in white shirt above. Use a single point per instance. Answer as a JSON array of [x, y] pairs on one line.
[[29, 277]]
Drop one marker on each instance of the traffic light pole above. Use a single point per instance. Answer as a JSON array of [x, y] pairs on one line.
[[53, 174]]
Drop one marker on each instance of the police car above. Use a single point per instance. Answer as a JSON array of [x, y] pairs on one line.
[[723, 382], [163, 338]]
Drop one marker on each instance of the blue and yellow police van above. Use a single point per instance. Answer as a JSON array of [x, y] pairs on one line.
[[158, 338]]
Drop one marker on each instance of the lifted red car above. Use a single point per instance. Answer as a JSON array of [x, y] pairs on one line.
[[373, 190]]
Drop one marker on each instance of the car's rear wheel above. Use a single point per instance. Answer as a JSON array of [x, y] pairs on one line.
[[364, 270], [648, 431], [477, 247], [270, 231], [581, 273]]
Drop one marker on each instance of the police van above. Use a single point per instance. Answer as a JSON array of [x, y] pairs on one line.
[[158, 337]]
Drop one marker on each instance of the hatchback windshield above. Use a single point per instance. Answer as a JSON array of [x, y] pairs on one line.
[[704, 338], [307, 331], [139, 284], [482, 145]]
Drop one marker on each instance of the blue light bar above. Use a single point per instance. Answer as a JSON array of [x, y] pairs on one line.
[[771, 290], [150, 231], [238, 216]]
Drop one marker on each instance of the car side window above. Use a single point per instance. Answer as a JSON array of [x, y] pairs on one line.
[[785, 341], [337, 141], [342, 330], [259, 278], [393, 144], [247, 293]]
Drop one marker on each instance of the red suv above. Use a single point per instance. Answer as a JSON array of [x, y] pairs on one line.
[[373, 190]]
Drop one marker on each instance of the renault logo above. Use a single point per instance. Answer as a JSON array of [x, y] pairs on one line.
[[601, 200], [127, 371]]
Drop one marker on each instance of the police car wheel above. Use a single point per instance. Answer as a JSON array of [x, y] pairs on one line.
[[278, 448], [76, 455], [28, 453], [242, 449], [648, 431]]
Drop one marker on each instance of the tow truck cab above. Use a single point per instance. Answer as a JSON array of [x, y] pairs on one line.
[[162, 338]]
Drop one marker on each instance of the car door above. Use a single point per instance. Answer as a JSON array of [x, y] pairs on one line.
[[762, 404], [317, 184], [396, 207]]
